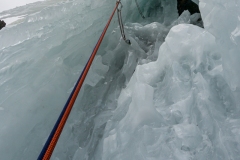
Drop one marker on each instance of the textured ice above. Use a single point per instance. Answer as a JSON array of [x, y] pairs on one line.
[[172, 94], [196, 1]]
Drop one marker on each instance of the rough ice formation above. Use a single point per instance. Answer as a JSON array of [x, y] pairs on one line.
[[179, 107], [172, 94], [185, 105]]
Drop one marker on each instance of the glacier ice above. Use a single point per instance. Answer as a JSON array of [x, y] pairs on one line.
[[172, 94]]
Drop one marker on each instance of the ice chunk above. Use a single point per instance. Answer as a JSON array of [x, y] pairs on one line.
[[221, 18], [191, 97]]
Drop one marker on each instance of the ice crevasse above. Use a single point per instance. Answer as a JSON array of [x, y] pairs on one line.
[[172, 94]]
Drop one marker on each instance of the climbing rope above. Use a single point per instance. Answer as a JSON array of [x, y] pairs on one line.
[[58, 127], [121, 23], [139, 10]]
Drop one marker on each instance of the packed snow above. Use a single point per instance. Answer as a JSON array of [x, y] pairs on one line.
[[172, 94]]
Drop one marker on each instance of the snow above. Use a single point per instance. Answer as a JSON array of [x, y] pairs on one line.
[[172, 94]]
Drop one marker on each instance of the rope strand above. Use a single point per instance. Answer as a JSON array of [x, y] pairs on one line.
[[57, 130]]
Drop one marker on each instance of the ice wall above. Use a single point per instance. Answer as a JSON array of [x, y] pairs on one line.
[[41, 58], [43, 54], [172, 94]]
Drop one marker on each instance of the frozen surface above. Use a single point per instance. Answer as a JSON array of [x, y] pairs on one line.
[[13, 3], [11, 15], [172, 94], [196, 1]]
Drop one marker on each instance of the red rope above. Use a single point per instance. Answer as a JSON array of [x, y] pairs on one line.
[[57, 134]]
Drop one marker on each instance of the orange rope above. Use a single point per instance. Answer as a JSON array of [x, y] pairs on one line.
[[57, 134]]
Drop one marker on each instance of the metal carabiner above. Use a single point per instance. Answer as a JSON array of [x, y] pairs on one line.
[[119, 9], [120, 6]]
